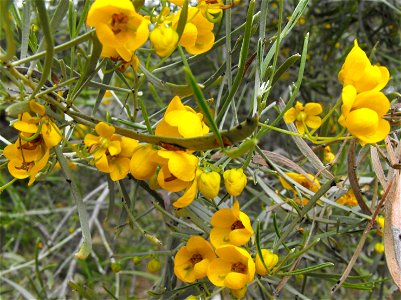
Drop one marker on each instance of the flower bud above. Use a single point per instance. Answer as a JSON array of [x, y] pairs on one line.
[[239, 294], [209, 184], [153, 265], [164, 40], [234, 181], [116, 267], [380, 223], [270, 260], [379, 248]]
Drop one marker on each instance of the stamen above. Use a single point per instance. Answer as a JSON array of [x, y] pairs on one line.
[[237, 225], [239, 268]]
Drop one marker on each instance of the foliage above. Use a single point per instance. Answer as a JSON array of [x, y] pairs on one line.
[[178, 149]]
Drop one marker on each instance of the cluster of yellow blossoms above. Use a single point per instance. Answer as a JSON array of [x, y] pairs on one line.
[[37, 135], [363, 103], [172, 170], [222, 260], [122, 30]]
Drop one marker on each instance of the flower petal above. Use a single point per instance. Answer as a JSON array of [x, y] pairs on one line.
[[313, 109], [188, 123], [313, 122], [218, 270], [104, 130], [290, 115], [376, 101], [236, 280]]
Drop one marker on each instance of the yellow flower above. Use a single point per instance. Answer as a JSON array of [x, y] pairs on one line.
[[177, 170], [234, 181], [143, 162], [212, 10], [309, 182], [112, 153], [118, 27], [198, 36], [42, 125], [379, 248], [153, 265], [233, 268], [192, 261], [348, 199], [380, 223], [362, 114], [270, 260], [230, 226], [106, 141], [302, 116], [209, 184], [164, 40], [328, 156], [189, 193], [181, 121], [359, 72], [26, 159]]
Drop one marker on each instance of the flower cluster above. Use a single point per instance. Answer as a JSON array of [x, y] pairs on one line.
[[223, 260], [122, 30], [363, 103], [174, 170], [30, 153]]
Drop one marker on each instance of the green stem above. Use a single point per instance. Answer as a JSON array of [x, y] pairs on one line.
[[44, 20], [86, 247], [58, 48], [6, 23]]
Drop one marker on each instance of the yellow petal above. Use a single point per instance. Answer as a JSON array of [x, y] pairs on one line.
[[119, 167], [39, 165], [362, 121], [200, 269], [218, 270], [376, 101], [91, 140], [104, 130], [313, 109], [313, 122], [300, 126], [188, 196], [220, 236], [239, 237], [37, 108], [114, 147], [348, 97], [102, 164], [128, 146], [142, 165], [188, 123], [223, 218], [181, 164], [169, 182], [203, 44], [188, 38], [382, 130], [236, 280], [51, 134], [290, 115]]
